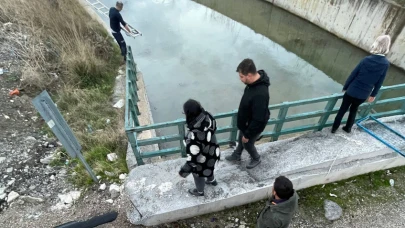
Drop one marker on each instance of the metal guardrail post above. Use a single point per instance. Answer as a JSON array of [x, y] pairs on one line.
[[182, 133], [234, 132], [281, 117], [328, 108], [132, 140]]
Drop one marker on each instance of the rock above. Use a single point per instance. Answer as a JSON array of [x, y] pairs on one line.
[[3, 196], [30, 199], [47, 160], [236, 220], [12, 196], [34, 118], [392, 182], [102, 187], [9, 170], [11, 182], [242, 226], [332, 210], [109, 201], [119, 104], [32, 187], [121, 72], [7, 117], [60, 206], [98, 177], [123, 176], [70, 197], [114, 191], [51, 146], [112, 157], [110, 174], [2, 159], [52, 177], [108, 121], [2, 190], [30, 138]]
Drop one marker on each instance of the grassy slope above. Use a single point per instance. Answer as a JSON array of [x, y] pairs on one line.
[[74, 58]]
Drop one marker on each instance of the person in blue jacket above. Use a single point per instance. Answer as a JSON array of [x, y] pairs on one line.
[[364, 82]]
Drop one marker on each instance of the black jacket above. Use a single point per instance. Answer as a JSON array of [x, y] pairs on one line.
[[253, 112], [116, 19]]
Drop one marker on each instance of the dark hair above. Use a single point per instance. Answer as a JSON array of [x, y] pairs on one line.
[[246, 66], [192, 109], [283, 187], [119, 4]]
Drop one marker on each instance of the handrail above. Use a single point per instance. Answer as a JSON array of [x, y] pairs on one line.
[[132, 126]]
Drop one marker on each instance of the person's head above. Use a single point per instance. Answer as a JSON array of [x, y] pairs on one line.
[[283, 188], [247, 71], [381, 45], [192, 109], [119, 5]]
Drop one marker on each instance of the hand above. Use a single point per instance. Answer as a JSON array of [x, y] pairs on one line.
[[371, 99], [245, 140]]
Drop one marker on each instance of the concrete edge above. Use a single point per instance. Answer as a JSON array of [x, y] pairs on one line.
[[342, 169]]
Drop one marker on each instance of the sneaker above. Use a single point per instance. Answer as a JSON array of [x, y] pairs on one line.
[[346, 129], [232, 158], [213, 182], [195, 192], [253, 163]]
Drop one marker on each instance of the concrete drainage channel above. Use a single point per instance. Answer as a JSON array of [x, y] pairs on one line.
[[160, 196]]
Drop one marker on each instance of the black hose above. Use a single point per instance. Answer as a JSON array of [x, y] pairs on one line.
[[93, 222]]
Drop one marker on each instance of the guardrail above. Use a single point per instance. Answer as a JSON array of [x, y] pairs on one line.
[[133, 128]]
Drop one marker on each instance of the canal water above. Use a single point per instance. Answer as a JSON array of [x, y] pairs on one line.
[[190, 49]]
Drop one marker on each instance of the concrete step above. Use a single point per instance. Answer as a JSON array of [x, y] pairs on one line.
[[159, 195]]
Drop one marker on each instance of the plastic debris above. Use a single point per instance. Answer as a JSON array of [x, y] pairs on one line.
[[15, 92], [331, 194]]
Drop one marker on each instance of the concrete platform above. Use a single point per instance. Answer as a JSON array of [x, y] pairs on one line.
[[159, 195]]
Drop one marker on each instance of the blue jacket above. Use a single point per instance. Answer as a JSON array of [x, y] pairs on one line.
[[367, 78]]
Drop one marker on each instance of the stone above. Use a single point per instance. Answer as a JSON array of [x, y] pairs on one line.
[[123, 176], [119, 104], [236, 220], [392, 182], [242, 226], [47, 160], [12, 196], [114, 191], [30, 199], [332, 210], [11, 182], [112, 157], [30, 138], [110, 174], [52, 177], [109, 201], [2, 190], [9, 170], [102, 187], [3, 196], [2, 159], [70, 197]]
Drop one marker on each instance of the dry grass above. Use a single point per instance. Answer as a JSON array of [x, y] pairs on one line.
[[72, 56]]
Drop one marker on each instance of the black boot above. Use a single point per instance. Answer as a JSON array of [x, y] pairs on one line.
[[346, 129]]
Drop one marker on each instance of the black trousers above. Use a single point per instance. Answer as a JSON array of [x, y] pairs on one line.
[[121, 42], [249, 147], [348, 102]]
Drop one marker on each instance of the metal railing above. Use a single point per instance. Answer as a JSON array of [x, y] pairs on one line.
[[133, 128]]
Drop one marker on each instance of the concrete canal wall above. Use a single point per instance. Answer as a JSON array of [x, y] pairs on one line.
[[357, 21]]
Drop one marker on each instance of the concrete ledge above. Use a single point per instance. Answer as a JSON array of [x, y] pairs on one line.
[[159, 195]]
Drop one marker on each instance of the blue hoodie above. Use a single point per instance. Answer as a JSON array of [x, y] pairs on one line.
[[367, 78]]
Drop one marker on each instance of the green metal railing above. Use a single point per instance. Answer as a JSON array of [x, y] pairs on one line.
[[133, 128]]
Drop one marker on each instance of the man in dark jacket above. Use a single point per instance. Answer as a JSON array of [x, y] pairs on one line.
[[115, 21], [253, 112], [280, 209]]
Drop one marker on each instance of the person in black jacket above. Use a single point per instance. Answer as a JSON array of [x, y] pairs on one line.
[[253, 112], [364, 82], [115, 21]]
